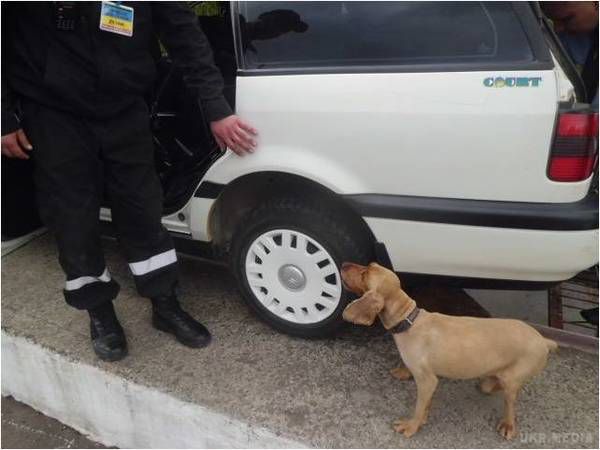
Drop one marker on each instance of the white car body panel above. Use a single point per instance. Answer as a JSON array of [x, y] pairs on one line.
[[179, 221], [200, 210], [441, 135], [486, 252], [565, 91], [422, 134]]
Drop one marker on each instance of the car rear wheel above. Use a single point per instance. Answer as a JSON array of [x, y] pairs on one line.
[[286, 256]]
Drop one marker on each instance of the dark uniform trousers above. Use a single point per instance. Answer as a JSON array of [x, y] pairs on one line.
[[77, 160]]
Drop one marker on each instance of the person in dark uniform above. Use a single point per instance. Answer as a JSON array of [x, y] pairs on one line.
[[74, 77]]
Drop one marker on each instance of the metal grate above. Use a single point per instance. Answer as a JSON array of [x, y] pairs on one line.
[[567, 300]]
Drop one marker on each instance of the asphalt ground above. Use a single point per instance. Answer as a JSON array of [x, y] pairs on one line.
[[23, 427], [334, 392]]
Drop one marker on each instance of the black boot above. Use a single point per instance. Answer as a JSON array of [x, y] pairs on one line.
[[108, 338], [168, 316]]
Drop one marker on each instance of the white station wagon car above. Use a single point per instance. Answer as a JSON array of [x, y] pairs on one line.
[[446, 139]]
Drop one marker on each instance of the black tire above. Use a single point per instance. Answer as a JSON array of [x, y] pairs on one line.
[[340, 235]]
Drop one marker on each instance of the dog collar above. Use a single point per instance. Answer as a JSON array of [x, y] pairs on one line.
[[405, 324]]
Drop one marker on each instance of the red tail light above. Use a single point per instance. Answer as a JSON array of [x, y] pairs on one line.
[[575, 147]]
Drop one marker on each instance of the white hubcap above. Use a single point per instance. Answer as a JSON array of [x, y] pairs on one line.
[[293, 276]]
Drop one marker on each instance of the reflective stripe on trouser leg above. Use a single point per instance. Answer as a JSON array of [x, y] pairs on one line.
[[153, 263], [156, 275], [78, 283], [91, 290]]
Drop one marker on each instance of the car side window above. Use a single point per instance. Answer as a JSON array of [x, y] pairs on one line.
[[276, 35]]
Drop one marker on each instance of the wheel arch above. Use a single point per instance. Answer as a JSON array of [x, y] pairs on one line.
[[248, 191]]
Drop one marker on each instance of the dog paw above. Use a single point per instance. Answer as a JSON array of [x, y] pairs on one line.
[[402, 373], [406, 426], [507, 430]]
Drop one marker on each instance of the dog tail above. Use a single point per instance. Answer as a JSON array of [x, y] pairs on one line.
[[552, 346]]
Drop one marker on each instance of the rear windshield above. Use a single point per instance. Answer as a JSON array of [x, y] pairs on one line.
[[322, 34]]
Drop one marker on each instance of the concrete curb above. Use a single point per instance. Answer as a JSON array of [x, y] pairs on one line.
[[117, 412]]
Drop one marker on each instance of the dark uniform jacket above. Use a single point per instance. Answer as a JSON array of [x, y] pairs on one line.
[[95, 73]]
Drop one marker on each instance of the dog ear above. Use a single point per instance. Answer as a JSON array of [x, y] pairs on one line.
[[364, 310]]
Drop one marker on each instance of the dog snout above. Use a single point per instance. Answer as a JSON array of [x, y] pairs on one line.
[[346, 266], [349, 266], [347, 270], [350, 273]]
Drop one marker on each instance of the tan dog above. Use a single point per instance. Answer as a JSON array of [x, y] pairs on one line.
[[504, 353]]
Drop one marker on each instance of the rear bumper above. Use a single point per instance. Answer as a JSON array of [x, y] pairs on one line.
[[581, 215], [487, 240]]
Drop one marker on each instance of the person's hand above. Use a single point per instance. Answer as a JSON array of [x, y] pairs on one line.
[[15, 144], [234, 133]]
